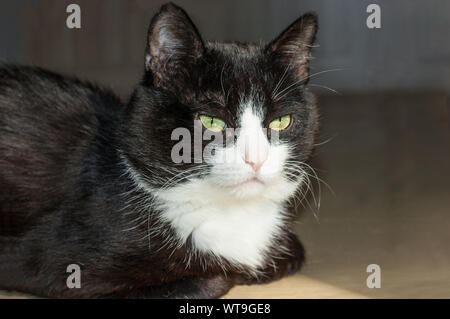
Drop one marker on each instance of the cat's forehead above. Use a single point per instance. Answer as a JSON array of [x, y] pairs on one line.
[[238, 62], [238, 77], [236, 50]]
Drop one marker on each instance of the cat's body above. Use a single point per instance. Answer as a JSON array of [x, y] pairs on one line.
[[89, 180]]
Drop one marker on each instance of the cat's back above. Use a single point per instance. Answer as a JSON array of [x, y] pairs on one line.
[[47, 124], [31, 96]]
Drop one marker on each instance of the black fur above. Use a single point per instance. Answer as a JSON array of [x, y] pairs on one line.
[[65, 194]]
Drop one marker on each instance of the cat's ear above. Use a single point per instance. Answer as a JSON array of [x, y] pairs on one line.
[[173, 44], [293, 46]]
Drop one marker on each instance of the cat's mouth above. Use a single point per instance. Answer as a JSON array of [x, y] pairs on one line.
[[249, 187], [251, 181]]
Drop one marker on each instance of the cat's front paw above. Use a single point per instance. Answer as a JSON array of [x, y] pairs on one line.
[[188, 288], [287, 263], [296, 257]]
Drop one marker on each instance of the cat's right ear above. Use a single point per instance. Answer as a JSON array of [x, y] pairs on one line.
[[173, 45]]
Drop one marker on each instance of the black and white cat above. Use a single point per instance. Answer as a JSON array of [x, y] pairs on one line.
[[86, 179]]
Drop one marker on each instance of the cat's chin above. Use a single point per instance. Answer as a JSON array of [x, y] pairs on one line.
[[208, 191], [276, 190], [249, 188]]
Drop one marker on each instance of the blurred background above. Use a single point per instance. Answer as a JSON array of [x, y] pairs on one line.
[[384, 146]]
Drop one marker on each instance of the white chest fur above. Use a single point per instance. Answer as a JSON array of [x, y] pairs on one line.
[[240, 231]]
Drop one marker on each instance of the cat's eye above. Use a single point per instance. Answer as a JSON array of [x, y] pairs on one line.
[[280, 123], [212, 123]]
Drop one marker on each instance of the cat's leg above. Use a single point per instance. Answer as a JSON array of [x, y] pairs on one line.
[[186, 288], [288, 262]]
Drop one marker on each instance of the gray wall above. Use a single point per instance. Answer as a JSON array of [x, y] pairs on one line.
[[410, 52]]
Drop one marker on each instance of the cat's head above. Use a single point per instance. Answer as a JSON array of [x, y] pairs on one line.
[[193, 86]]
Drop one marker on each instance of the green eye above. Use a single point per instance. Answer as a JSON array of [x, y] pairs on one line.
[[280, 123], [212, 123]]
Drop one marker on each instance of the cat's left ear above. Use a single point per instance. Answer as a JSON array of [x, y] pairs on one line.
[[293, 46], [174, 44]]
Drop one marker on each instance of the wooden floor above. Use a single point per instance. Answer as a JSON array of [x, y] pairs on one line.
[[388, 163]]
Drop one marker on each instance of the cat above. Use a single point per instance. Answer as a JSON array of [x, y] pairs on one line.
[[89, 180]]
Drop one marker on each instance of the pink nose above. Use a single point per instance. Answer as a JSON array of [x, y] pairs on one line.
[[255, 152], [255, 165], [257, 160]]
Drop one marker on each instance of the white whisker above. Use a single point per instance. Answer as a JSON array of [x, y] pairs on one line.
[[286, 90]]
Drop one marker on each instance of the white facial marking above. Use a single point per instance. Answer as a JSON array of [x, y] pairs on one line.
[[252, 143]]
